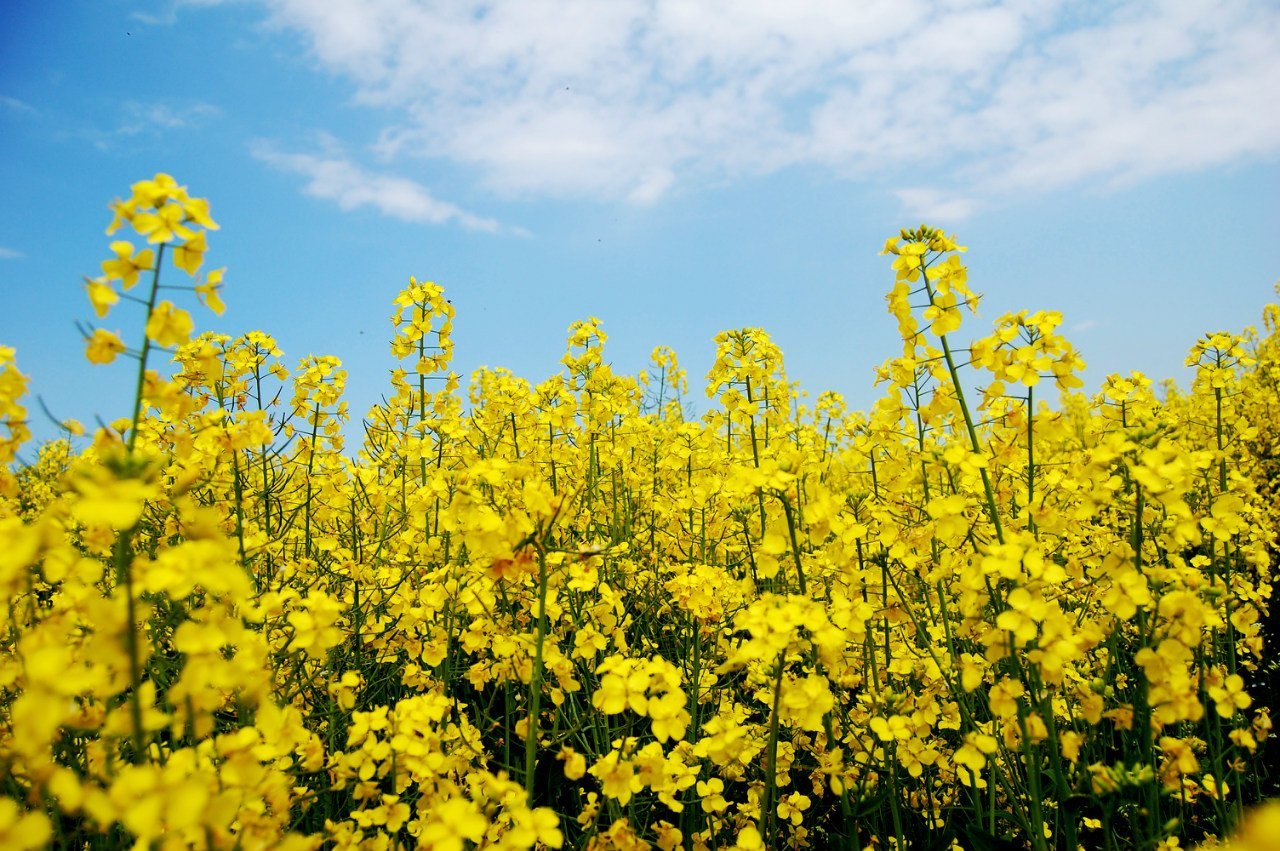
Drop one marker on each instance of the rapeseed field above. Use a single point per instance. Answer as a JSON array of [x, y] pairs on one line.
[[992, 612]]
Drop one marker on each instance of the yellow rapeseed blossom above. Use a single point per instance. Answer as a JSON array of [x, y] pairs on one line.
[[169, 325], [103, 346]]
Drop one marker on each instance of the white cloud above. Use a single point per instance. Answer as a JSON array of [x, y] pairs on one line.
[[935, 207], [10, 253], [333, 177], [627, 98]]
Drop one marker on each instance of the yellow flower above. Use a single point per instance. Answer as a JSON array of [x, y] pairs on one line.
[[669, 836], [791, 807], [1229, 695], [163, 225], [749, 839], [169, 325], [973, 753], [546, 827], [126, 265], [189, 255], [575, 764], [622, 685], [893, 728], [197, 210], [451, 823], [109, 501], [344, 689], [943, 315], [121, 212], [21, 831], [617, 777], [101, 295], [316, 626], [208, 289], [1003, 698], [805, 702], [711, 792], [103, 346], [157, 190]]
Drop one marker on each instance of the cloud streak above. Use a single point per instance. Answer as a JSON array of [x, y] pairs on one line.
[[159, 117], [139, 122], [964, 99], [333, 177], [16, 105], [935, 206]]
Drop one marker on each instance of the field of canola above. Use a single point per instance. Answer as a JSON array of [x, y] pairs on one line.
[[566, 614]]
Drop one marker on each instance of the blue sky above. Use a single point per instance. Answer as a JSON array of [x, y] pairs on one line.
[[670, 167]]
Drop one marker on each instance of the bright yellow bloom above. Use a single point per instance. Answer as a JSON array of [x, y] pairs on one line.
[[157, 191], [164, 225], [575, 764], [103, 346], [617, 777], [791, 807], [805, 702], [197, 210], [106, 500], [21, 831], [1003, 698], [189, 255], [316, 626], [101, 295], [452, 823], [208, 291], [975, 750], [749, 839], [169, 325], [712, 794], [126, 266], [1229, 695]]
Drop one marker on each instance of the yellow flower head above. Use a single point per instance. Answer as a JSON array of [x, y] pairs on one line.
[[169, 325], [103, 346], [208, 291], [101, 295], [126, 265]]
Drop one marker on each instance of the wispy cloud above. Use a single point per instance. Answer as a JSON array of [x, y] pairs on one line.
[[164, 18], [10, 253], [935, 206], [970, 100], [165, 14], [15, 105], [142, 117], [334, 177], [146, 120]]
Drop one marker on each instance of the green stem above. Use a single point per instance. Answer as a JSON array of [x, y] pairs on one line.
[[795, 542], [1031, 459], [767, 804], [968, 418], [122, 555], [535, 680], [144, 353]]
